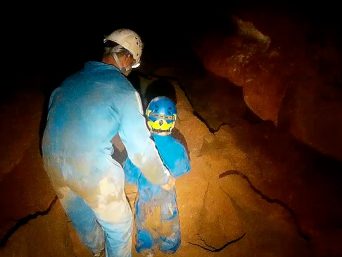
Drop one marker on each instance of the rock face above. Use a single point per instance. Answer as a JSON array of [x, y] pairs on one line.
[[250, 189], [289, 72]]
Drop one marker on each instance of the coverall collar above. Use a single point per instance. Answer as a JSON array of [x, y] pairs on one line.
[[96, 65]]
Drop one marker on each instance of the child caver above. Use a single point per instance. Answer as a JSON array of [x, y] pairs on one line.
[[156, 212]]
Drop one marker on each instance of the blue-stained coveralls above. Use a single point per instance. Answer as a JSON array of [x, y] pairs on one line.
[[156, 211], [85, 113]]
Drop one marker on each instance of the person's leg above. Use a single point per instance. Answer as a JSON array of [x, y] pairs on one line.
[[83, 220], [62, 175], [143, 237], [105, 195], [169, 234], [99, 181]]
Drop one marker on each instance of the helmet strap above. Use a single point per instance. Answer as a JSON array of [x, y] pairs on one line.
[[124, 70]]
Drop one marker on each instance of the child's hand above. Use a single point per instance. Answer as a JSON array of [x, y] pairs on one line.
[[170, 184]]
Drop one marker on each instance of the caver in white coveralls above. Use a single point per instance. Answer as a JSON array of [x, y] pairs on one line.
[[85, 113]]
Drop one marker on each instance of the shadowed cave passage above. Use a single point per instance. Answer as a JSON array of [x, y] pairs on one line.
[[258, 91]]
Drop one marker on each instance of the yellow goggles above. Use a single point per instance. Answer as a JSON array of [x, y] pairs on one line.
[[160, 125]]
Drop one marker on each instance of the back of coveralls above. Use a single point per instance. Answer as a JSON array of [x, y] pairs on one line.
[[85, 113], [156, 210]]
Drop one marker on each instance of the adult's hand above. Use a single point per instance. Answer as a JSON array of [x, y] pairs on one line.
[[170, 183]]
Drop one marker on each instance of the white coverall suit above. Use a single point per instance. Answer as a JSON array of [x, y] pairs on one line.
[[85, 113]]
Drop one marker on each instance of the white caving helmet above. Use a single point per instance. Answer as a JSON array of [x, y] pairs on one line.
[[129, 40]]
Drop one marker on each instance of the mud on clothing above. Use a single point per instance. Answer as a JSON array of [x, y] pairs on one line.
[[156, 211], [85, 113]]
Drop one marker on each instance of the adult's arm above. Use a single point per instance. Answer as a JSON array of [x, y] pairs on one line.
[[136, 137]]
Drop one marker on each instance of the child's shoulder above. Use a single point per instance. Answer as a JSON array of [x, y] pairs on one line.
[[171, 140]]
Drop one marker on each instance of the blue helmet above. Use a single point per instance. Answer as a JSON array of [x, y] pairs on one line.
[[161, 114]]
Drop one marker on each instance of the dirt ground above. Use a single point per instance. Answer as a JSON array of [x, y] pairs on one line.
[[253, 189]]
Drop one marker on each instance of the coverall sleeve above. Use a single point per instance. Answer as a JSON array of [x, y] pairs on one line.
[[141, 149], [132, 173], [182, 164], [173, 154]]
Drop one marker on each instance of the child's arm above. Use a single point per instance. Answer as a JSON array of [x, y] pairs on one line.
[[173, 154], [182, 163]]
